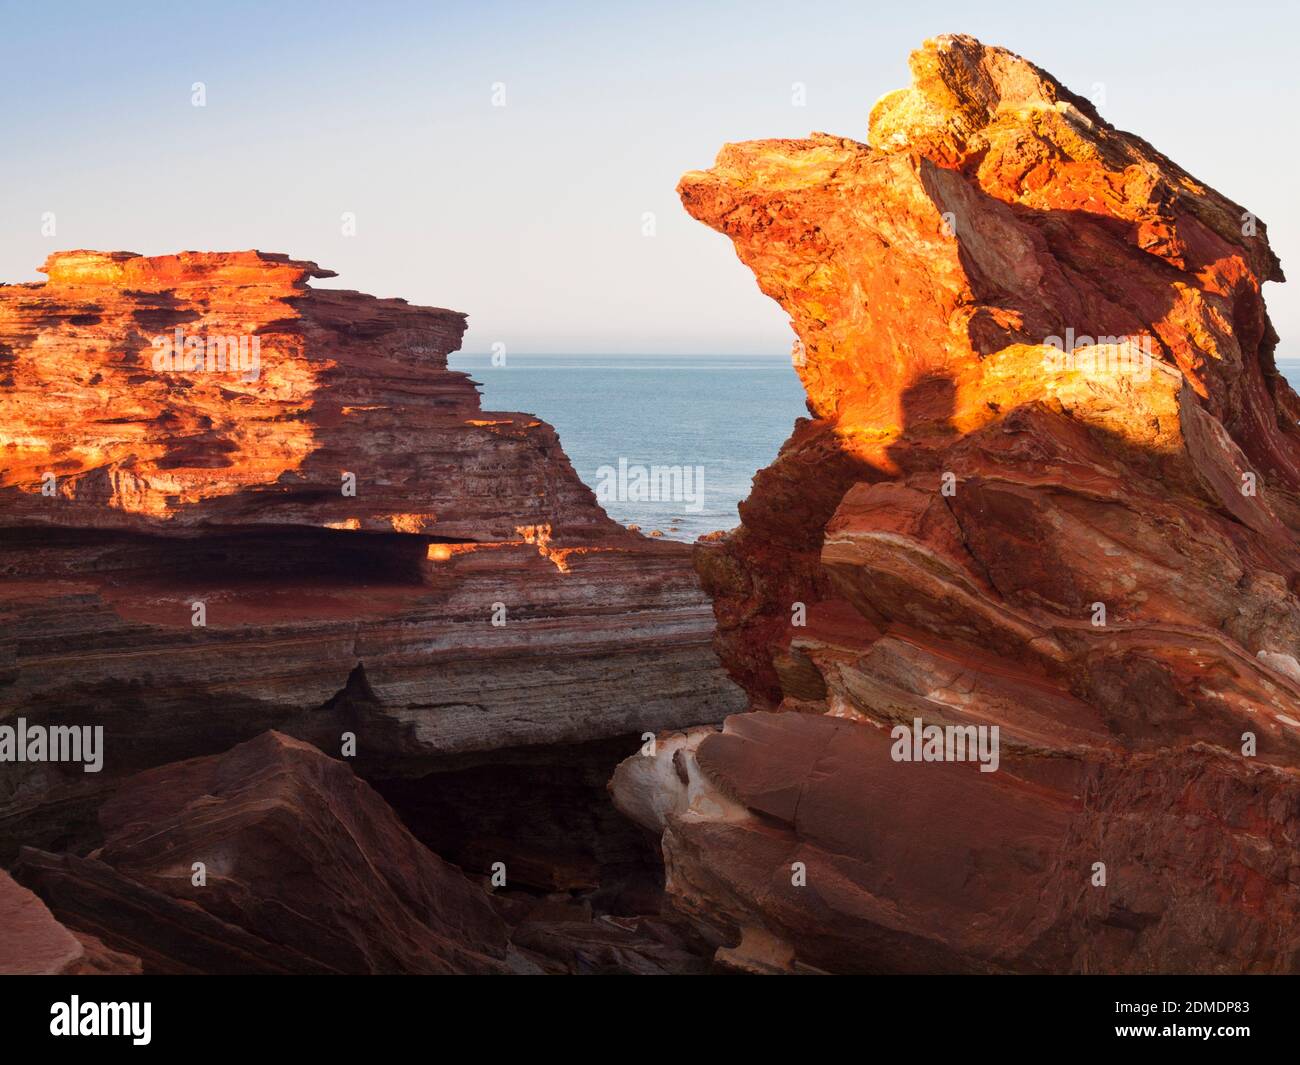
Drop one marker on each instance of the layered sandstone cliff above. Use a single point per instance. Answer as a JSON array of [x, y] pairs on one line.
[[232, 502], [1050, 484]]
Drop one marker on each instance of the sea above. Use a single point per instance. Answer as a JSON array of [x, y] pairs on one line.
[[716, 419], [693, 428]]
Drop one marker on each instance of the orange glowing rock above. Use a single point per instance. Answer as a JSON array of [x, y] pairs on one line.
[[218, 389], [1051, 484]]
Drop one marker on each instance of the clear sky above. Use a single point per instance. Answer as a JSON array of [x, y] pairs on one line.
[[530, 216]]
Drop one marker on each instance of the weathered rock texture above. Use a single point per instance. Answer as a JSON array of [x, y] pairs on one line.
[[272, 858], [343, 383], [34, 943], [959, 504], [304, 869], [469, 597]]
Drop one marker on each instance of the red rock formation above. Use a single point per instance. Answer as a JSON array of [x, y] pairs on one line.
[[141, 438], [470, 596], [306, 869], [991, 463]]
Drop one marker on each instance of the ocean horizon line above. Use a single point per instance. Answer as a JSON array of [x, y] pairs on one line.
[[684, 355], [783, 356]]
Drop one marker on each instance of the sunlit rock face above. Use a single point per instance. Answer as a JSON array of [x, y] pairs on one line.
[[231, 502], [1049, 484], [203, 390]]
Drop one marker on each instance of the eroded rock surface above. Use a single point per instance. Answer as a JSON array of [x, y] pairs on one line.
[[369, 551], [1050, 484], [233, 503], [143, 434], [272, 858], [296, 864]]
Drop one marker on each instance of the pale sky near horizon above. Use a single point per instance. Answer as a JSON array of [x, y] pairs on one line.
[[529, 217]]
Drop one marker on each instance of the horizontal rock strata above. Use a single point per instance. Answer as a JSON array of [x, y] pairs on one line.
[[256, 538], [370, 551]]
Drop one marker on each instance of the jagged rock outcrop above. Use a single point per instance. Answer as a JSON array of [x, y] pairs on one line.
[[369, 551], [1050, 485]]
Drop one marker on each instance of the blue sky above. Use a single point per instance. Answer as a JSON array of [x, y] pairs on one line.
[[529, 216]]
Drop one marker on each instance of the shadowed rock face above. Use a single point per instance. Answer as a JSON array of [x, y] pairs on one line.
[[374, 553], [1002, 513], [306, 869], [272, 858], [36, 944]]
